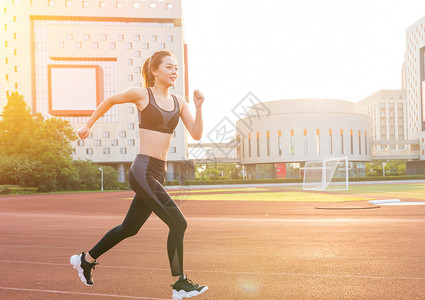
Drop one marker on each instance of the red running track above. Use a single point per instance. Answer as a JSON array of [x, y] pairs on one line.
[[241, 250]]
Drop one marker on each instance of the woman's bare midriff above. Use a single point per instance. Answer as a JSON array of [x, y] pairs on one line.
[[154, 143]]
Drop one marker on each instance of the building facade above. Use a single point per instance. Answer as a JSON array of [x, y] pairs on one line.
[[66, 57], [290, 132]]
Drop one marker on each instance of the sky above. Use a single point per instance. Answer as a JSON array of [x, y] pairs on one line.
[[286, 49]]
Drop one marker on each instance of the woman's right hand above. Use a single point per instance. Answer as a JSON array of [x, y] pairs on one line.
[[84, 131]]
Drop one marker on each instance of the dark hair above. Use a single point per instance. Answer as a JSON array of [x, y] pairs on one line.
[[152, 63]]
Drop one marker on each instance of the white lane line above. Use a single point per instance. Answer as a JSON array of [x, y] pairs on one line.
[[237, 272], [77, 293], [237, 241], [421, 258]]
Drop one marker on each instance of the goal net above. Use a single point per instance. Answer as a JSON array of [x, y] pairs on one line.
[[327, 174]]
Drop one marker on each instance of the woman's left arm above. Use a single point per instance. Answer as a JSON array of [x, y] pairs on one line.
[[194, 126]]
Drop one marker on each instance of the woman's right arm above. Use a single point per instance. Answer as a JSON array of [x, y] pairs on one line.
[[130, 95]]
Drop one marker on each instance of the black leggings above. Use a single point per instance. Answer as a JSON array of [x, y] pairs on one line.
[[146, 176]]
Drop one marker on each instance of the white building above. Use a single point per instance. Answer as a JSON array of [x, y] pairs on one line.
[[65, 57], [287, 133]]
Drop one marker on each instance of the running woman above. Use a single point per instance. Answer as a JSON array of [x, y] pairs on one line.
[[159, 114]]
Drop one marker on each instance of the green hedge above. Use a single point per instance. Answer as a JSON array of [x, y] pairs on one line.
[[14, 189], [387, 178]]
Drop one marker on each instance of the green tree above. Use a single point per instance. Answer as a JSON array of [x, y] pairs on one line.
[[44, 144]]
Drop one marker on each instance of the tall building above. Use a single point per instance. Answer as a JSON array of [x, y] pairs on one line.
[[413, 75], [66, 57], [387, 110]]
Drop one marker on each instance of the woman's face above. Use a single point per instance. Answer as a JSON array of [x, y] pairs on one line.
[[167, 71]]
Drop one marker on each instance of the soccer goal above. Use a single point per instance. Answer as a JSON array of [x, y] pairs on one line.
[[327, 174]]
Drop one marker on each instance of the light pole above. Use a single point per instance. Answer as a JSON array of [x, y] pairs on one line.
[[383, 168], [101, 172]]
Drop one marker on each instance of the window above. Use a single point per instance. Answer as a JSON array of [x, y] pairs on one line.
[[130, 110], [330, 141], [85, 4], [95, 45], [161, 46], [249, 144], [153, 38], [97, 142], [89, 151], [120, 37], [18, 85], [78, 45], [243, 147], [6, 60], [16, 35], [86, 37], [136, 5], [16, 19], [33, 2], [145, 46], [292, 142], [318, 141], [360, 143], [129, 61], [131, 142], [123, 150], [169, 6], [172, 149], [268, 143], [129, 45], [305, 142], [106, 151], [136, 38], [51, 3], [102, 4], [17, 52], [129, 77], [138, 70], [112, 45], [103, 37], [123, 134], [137, 53], [6, 43], [130, 125], [80, 143], [114, 142], [69, 36], [17, 69], [106, 134], [169, 38], [119, 5], [152, 5], [279, 141], [258, 143], [68, 3]]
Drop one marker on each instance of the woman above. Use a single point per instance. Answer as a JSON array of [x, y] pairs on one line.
[[158, 116]]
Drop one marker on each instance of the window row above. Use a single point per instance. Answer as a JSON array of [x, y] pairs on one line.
[[305, 143], [123, 150], [112, 45], [100, 4], [120, 38], [114, 142]]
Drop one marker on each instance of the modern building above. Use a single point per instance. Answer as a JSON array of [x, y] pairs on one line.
[[414, 83], [65, 57], [284, 134], [387, 110]]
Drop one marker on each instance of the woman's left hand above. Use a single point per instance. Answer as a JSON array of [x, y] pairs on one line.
[[198, 98]]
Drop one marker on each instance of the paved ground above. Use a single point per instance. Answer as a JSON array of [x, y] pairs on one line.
[[241, 250]]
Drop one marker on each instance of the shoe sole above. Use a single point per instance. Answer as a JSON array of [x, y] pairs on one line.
[[76, 264], [178, 295]]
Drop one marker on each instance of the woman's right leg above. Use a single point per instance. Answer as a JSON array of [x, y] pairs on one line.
[[136, 216]]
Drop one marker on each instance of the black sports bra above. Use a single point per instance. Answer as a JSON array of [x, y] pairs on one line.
[[155, 118]]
